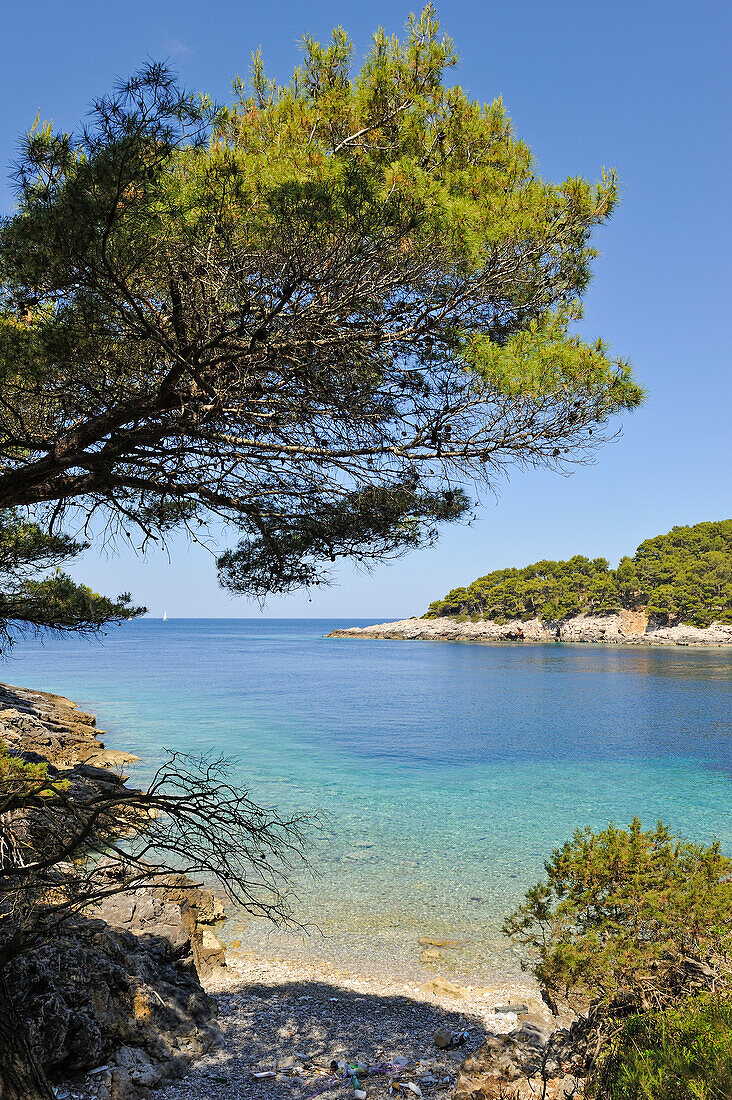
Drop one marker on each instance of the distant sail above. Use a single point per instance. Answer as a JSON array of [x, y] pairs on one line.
[[165, 616]]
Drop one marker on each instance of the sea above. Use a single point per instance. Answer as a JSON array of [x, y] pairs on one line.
[[444, 773]]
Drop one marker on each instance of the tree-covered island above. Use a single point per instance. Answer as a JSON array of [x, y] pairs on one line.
[[684, 576]]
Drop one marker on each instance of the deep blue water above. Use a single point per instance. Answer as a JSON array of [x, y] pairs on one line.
[[449, 771]]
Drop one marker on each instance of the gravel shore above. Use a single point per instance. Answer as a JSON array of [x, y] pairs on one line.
[[294, 1020]]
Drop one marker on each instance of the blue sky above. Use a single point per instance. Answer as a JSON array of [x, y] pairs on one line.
[[643, 87]]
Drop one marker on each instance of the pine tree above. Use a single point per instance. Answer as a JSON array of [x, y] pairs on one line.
[[313, 313]]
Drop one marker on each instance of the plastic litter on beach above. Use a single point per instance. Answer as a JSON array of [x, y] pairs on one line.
[[338, 1071]]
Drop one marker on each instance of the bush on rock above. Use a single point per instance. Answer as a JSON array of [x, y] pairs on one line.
[[628, 920]]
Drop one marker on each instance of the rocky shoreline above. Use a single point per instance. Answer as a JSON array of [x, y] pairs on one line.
[[292, 1023], [625, 628], [114, 1002], [138, 1000]]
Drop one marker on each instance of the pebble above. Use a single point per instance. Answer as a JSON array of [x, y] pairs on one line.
[[518, 1008], [312, 1014]]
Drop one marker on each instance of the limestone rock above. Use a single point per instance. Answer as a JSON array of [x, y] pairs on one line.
[[171, 912], [209, 908], [151, 918], [447, 629], [626, 628], [102, 995], [531, 1061], [118, 998], [212, 951], [441, 988], [53, 726]]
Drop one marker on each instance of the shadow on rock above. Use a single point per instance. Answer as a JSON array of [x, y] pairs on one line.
[[97, 995]]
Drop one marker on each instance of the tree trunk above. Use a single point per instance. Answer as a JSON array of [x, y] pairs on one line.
[[21, 1078]]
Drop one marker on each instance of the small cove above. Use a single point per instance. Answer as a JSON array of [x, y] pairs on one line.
[[447, 772]]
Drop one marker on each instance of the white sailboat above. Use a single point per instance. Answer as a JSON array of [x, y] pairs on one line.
[[165, 616]]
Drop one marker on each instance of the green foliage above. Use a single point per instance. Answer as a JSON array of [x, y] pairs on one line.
[[543, 357], [346, 294], [547, 589], [18, 777], [627, 918], [687, 573], [31, 602], [683, 1053], [24, 782], [684, 576]]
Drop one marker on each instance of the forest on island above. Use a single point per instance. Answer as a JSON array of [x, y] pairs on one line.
[[684, 576]]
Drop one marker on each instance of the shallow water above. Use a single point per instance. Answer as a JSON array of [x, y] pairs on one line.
[[448, 771]]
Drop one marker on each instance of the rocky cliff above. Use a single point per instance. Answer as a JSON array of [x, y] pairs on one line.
[[626, 628]]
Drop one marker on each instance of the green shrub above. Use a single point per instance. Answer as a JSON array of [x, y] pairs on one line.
[[684, 1053], [628, 920], [21, 780]]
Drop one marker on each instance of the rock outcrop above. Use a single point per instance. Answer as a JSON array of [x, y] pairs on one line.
[[530, 1062], [114, 1002], [625, 628], [115, 1011], [54, 729], [176, 912]]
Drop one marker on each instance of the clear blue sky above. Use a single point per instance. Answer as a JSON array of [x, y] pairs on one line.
[[640, 86]]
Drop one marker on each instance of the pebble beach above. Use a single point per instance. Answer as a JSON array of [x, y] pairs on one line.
[[291, 1021]]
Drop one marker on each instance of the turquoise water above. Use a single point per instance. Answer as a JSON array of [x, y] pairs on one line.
[[448, 771]]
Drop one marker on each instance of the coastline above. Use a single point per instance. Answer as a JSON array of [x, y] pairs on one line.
[[273, 1011], [52, 727], [238, 1029], [624, 628]]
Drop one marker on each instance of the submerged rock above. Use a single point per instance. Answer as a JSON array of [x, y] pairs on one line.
[[435, 941]]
